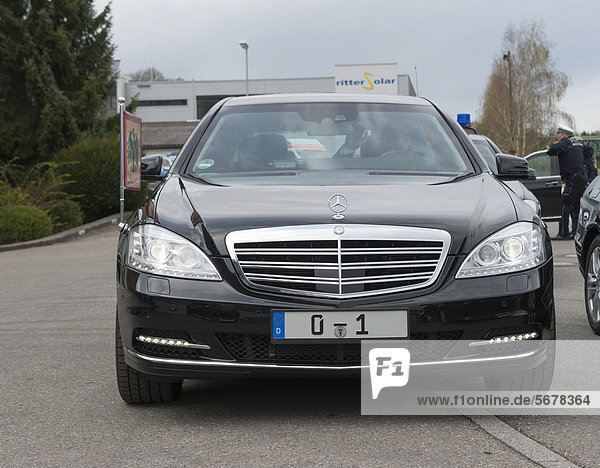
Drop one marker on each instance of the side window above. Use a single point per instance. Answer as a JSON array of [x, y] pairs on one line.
[[542, 165], [555, 165]]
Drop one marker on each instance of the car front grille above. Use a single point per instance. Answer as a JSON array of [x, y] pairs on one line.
[[247, 347], [339, 261]]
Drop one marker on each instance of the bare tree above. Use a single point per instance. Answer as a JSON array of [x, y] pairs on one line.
[[519, 106], [148, 74]]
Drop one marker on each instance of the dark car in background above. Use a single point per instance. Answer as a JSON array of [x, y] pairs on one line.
[[587, 246], [489, 150], [251, 259]]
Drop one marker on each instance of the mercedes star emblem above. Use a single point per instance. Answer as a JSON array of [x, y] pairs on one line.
[[338, 203]]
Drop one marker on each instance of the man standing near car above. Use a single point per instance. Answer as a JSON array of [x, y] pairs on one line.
[[570, 158]]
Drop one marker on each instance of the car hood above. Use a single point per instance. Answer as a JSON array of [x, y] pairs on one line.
[[469, 209]]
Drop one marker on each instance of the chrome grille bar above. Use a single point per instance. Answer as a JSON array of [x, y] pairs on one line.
[[344, 266]]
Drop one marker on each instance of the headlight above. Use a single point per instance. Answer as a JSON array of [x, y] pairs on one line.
[[156, 250], [514, 248]]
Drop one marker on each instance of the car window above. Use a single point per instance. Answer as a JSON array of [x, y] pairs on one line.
[[541, 163], [487, 152], [345, 140]]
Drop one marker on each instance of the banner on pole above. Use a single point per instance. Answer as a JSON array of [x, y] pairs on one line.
[[132, 151]]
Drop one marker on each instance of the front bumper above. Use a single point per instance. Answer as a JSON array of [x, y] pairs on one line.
[[233, 324], [524, 360]]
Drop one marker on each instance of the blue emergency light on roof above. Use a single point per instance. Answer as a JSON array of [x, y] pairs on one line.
[[464, 120]]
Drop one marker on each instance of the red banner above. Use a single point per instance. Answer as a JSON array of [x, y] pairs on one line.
[[132, 151]]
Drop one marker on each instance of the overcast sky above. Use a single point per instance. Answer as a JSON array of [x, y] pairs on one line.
[[451, 43]]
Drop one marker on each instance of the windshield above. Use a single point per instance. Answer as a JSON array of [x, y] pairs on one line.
[[328, 143]]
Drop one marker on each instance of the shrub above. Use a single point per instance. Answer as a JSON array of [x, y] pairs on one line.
[[41, 185], [19, 223], [66, 214], [12, 195], [93, 166]]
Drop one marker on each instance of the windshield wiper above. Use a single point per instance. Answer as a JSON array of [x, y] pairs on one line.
[[257, 174], [461, 176], [410, 173], [204, 180]]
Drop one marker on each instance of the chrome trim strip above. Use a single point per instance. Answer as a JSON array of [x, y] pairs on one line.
[[478, 360], [388, 279], [396, 264], [340, 285], [295, 265], [334, 266], [393, 250], [249, 365], [348, 251], [315, 251], [292, 279]]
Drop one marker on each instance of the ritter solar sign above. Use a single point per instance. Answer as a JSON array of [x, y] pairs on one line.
[[367, 79]]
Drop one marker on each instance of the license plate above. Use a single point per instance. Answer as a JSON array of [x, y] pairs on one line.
[[339, 325]]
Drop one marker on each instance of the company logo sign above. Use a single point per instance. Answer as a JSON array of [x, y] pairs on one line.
[[367, 79], [388, 368]]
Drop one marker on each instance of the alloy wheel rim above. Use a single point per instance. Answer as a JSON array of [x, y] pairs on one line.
[[592, 292]]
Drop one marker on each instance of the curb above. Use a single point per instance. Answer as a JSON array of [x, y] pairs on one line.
[[73, 233]]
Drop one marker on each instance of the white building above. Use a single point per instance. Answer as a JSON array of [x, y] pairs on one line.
[[169, 101]]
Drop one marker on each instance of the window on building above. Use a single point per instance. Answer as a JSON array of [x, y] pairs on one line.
[[162, 102]]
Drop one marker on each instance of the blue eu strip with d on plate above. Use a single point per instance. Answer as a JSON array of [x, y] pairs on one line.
[[278, 324]]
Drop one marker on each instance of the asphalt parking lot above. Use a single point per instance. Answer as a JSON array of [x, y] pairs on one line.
[[61, 406]]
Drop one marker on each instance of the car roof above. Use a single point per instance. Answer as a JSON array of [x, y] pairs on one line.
[[324, 97]]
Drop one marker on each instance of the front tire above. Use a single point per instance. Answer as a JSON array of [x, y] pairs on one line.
[[137, 387], [592, 285]]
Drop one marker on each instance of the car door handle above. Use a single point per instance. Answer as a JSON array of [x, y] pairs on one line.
[[554, 183]]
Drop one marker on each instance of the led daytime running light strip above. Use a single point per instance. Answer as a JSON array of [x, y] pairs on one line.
[[170, 342], [506, 339]]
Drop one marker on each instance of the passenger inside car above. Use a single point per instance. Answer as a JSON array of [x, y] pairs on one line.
[[258, 152]]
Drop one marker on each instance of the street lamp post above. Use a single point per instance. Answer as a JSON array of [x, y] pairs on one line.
[[244, 45], [510, 94]]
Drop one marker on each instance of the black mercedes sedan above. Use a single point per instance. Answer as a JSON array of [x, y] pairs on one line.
[[255, 257]]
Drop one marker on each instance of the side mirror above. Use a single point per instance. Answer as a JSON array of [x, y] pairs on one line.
[[513, 167], [532, 174], [152, 167]]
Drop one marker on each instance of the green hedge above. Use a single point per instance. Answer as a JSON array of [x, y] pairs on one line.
[[93, 166], [66, 214], [19, 223]]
